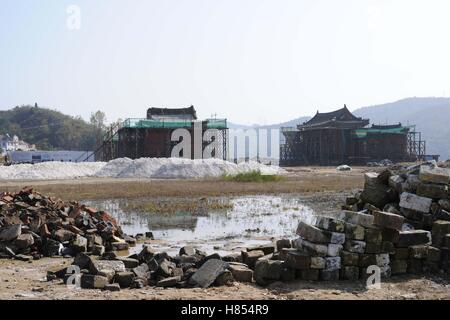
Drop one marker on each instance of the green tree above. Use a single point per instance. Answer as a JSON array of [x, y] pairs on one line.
[[98, 119]]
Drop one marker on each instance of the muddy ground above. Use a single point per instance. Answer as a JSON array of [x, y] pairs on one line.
[[22, 280]]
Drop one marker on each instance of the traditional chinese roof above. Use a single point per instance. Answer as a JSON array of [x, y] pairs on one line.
[[185, 113], [341, 118]]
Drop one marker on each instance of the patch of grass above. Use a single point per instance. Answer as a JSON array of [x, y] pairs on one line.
[[172, 207], [253, 176]]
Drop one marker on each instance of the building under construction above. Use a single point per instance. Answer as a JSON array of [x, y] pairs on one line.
[[152, 136], [340, 137]]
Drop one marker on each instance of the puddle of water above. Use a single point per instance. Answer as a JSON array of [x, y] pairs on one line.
[[253, 220]]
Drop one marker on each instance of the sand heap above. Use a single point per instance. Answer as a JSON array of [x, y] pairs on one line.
[[158, 168]]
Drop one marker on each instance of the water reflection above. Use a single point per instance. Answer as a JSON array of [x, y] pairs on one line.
[[252, 220]]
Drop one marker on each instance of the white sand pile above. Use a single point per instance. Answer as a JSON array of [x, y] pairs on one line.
[[50, 170], [160, 168]]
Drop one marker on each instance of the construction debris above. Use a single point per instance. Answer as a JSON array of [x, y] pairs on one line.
[[344, 167], [382, 163], [33, 226], [391, 225]]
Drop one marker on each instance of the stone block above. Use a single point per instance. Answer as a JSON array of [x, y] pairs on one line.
[[267, 249], [440, 229], [171, 282], [433, 254], [350, 273], [332, 263], [447, 240], [334, 250], [129, 263], [388, 247], [124, 279], [106, 268], [310, 274], [359, 218], [445, 204], [388, 220], [350, 258], [89, 281], [298, 260], [330, 224], [390, 235], [314, 234], [354, 232], [98, 250], [373, 235], [208, 272], [224, 279], [412, 238], [434, 191], [414, 202], [401, 253], [329, 275], [314, 249], [355, 246], [396, 182], [373, 248], [399, 266], [318, 263], [288, 274], [250, 257], [24, 241], [434, 175], [284, 253], [241, 273], [120, 246], [415, 266], [418, 251], [282, 244]]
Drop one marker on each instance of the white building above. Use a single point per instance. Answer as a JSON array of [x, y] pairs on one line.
[[45, 156], [8, 144]]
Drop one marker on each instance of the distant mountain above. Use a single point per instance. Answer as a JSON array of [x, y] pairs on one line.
[[431, 116], [291, 123], [48, 129]]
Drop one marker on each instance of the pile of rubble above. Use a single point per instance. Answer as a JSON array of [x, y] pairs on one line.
[[33, 226], [399, 223], [382, 163], [191, 268]]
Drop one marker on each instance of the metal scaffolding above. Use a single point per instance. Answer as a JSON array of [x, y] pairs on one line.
[[138, 138]]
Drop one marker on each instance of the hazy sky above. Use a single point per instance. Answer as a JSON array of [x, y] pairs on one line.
[[252, 61]]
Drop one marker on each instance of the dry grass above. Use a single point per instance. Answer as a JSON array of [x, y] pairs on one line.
[[92, 189], [253, 176], [194, 206]]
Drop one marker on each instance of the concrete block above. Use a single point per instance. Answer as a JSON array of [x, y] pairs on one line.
[[414, 202], [355, 246], [298, 260], [434, 175], [412, 238], [314, 234], [388, 220]]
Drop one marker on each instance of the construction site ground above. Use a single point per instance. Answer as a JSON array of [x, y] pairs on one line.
[[23, 280]]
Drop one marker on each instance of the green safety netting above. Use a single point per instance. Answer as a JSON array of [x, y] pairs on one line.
[[150, 123], [362, 133]]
